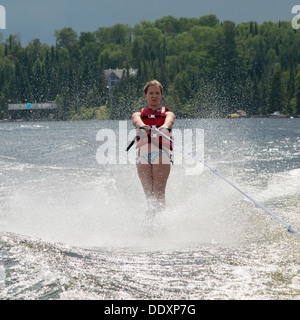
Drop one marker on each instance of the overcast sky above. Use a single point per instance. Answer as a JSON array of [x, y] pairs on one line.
[[30, 19]]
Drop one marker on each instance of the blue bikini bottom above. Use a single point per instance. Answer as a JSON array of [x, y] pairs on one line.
[[149, 156]]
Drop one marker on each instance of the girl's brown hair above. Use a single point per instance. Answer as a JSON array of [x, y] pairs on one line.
[[154, 83]]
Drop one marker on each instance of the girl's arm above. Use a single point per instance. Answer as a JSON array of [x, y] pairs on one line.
[[137, 120], [170, 118]]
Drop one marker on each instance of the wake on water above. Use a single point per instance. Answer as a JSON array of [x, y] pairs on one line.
[[75, 208], [107, 212]]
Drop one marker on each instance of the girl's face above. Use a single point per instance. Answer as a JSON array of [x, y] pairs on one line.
[[153, 96]]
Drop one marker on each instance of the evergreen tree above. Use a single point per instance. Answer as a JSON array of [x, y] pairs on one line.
[[229, 68], [276, 96]]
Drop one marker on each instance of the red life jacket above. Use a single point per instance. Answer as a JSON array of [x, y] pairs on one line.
[[154, 118]]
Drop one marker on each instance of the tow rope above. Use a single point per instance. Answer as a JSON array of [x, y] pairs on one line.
[[289, 227]]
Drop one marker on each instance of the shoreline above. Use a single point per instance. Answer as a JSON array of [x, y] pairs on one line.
[[233, 118]]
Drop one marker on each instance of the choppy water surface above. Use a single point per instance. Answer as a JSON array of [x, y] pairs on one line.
[[71, 228]]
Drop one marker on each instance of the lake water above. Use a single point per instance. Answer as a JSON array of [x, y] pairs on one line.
[[72, 228]]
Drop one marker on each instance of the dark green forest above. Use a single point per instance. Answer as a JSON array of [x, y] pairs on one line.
[[208, 68]]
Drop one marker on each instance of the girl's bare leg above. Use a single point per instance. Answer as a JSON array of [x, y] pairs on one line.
[[154, 181], [154, 177], [145, 175], [160, 174]]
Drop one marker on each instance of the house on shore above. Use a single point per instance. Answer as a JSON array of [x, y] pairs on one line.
[[113, 76], [32, 112]]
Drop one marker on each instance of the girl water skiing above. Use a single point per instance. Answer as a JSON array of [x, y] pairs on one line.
[[153, 160]]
